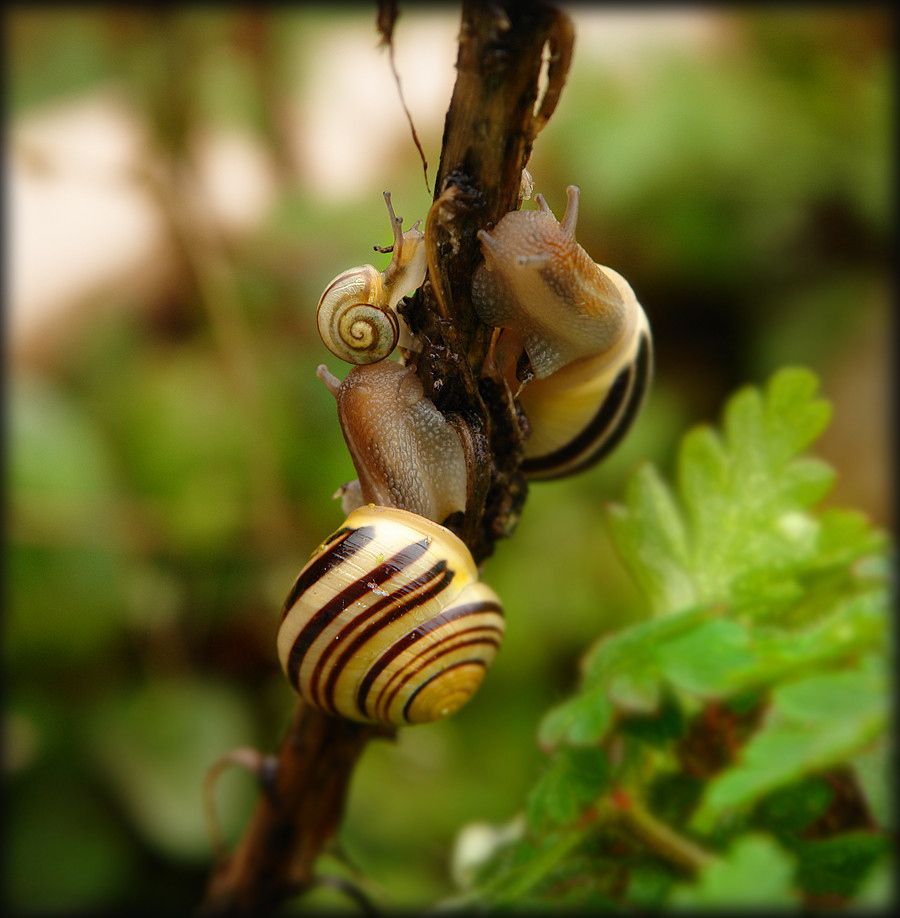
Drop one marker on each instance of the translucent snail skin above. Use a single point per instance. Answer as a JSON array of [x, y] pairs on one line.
[[586, 336]]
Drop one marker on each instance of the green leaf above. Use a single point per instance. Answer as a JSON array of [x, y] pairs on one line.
[[813, 724], [838, 866], [651, 537], [722, 658], [760, 602], [755, 873], [575, 779], [743, 499], [581, 721], [627, 663], [702, 660], [704, 654]]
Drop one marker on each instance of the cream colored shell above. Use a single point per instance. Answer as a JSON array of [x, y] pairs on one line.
[[356, 316], [388, 622]]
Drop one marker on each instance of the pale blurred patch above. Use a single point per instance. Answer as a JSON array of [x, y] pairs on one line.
[[349, 122], [83, 218]]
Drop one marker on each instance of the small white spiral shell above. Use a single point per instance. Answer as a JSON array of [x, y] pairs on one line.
[[356, 316], [354, 319]]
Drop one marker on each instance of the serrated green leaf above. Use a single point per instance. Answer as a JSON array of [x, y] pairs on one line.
[[806, 481], [755, 873], [813, 723], [791, 411], [755, 596], [768, 428], [650, 535], [709, 656], [581, 721], [743, 500], [575, 779], [721, 658], [627, 663]]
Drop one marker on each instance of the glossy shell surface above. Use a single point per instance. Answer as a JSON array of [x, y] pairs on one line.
[[388, 622]]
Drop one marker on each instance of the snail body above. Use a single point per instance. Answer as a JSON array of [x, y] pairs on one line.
[[406, 454], [586, 336], [388, 622], [356, 316]]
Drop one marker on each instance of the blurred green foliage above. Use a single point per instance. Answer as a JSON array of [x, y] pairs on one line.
[[738, 714], [169, 470]]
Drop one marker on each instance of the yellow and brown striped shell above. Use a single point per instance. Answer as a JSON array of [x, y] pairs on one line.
[[579, 414], [388, 623]]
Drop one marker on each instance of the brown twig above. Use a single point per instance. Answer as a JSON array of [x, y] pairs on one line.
[[496, 111], [296, 816]]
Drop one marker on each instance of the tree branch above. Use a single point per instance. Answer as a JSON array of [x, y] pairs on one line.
[[495, 114]]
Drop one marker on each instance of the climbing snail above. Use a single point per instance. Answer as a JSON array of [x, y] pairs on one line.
[[388, 622], [356, 316], [405, 452], [585, 334]]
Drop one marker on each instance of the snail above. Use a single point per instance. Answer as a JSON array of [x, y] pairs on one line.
[[586, 336], [356, 315], [388, 623], [405, 452]]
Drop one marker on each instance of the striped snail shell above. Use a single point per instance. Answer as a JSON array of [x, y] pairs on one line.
[[356, 315], [406, 454], [388, 622], [586, 336]]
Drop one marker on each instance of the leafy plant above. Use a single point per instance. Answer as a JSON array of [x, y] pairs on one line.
[[731, 749]]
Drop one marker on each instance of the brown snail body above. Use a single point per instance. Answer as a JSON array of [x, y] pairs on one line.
[[406, 454]]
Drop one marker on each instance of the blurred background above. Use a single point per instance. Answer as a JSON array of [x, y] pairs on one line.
[[181, 187]]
